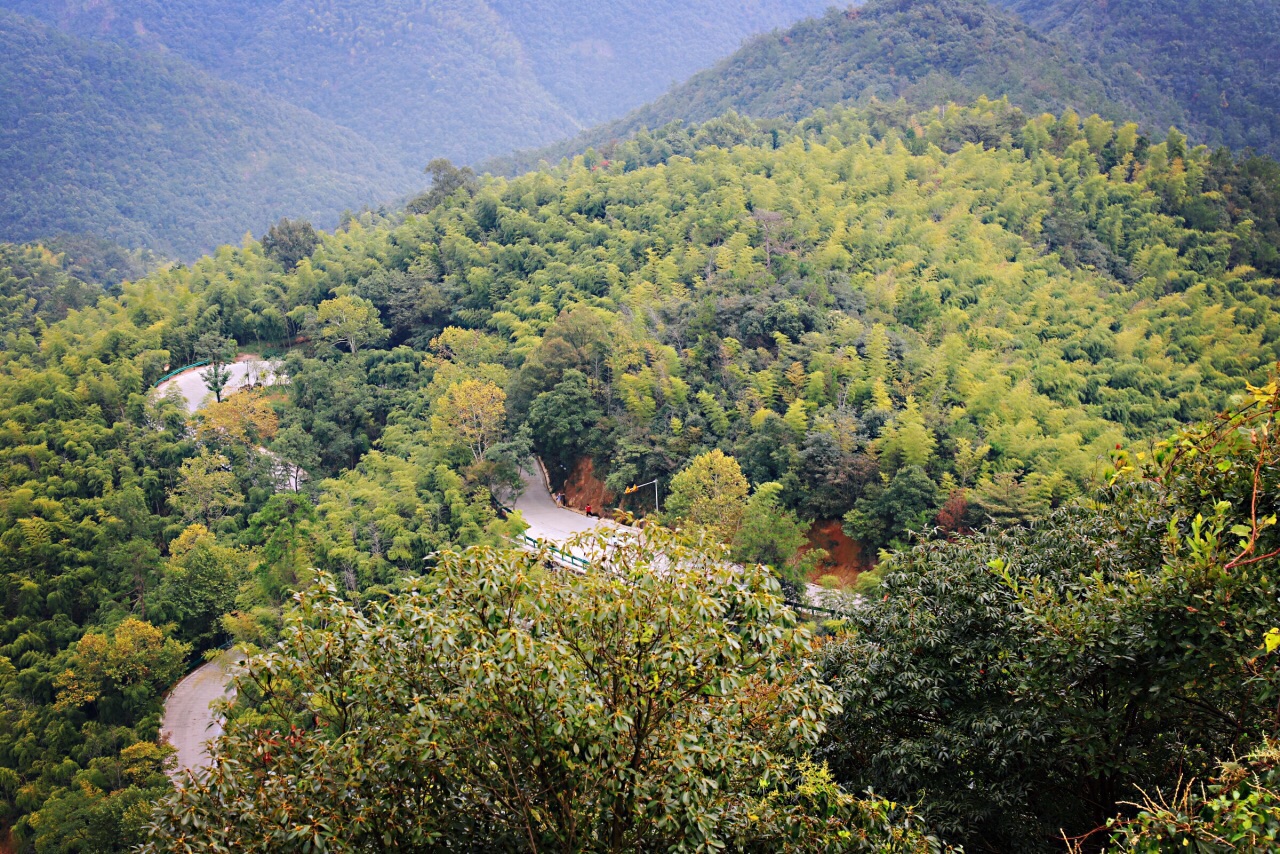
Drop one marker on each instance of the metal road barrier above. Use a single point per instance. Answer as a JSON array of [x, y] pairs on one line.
[[561, 556], [557, 553], [801, 608], [180, 370]]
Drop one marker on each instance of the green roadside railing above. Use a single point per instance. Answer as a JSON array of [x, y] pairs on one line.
[[576, 562], [802, 608], [172, 374], [557, 553]]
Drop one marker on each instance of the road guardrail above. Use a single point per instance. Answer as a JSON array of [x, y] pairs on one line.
[[557, 553], [172, 374]]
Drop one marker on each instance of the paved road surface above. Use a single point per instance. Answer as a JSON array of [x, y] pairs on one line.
[[548, 520], [188, 722], [193, 387], [555, 524]]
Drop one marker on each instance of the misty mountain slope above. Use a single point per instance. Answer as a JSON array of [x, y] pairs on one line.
[[150, 152], [1218, 59], [207, 33], [466, 79], [444, 78], [925, 52], [608, 57], [393, 72]]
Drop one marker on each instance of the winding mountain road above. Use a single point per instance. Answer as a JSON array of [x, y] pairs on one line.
[[188, 723], [245, 368], [548, 520], [554, 524]]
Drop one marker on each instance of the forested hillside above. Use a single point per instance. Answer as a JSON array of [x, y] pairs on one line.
[[601, 59], [1208, 68], [927, 53], [36, 290], [464, 79], [345, 101], [41, 283], [886, 319], [148, 151], [1218, 59]]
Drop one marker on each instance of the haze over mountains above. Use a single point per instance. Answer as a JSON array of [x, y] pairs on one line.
[[1207, 67], [306, 109], [1218, 61], [149, 151], [464, 79]]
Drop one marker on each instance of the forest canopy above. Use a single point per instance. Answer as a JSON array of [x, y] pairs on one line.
[[1216, 59], [891, 321], [465, 79]]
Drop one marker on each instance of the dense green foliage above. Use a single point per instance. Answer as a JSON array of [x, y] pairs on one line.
[[660, 703], [117, 507], [289, 241], [872, 313], [1026, 684], [41, 283], [866, 303], [339, 115], [148, 151], [35, 290], [95, 260], [1238, 810], [464, 79], [1216, 58]]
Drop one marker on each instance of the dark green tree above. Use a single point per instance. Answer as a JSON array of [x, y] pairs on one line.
[[289, 241], [888, 512], [219, 351], [832, 476], [299, 458], [1029, 682], [199, 586], [773, 535], [446, 179], [501, 706], [563, 421]]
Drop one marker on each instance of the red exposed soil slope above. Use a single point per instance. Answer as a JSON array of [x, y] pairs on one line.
[[845, 559], [583, 487]]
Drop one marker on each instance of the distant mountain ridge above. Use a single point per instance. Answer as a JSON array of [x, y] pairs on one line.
[[335, 104], [1110, 58], [148, 151], [464, 79], [180, 124], [1219, 59], [927, 53]]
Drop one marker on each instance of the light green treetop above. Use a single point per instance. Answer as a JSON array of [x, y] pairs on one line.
[[653, 703]]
